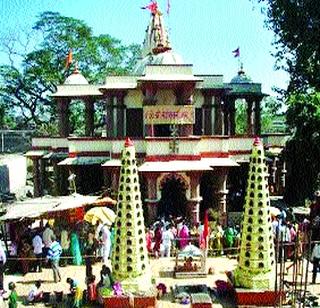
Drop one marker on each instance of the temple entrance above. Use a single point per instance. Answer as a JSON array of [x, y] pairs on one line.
[[173, 199]]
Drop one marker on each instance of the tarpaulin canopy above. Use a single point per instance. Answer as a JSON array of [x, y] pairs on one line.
[[37, 207]]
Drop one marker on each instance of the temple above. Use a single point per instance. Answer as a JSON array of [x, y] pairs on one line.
[[183, 125]]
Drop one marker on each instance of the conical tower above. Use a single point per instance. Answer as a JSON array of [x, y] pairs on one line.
[[130, 263], [256, 260], [156, 40]]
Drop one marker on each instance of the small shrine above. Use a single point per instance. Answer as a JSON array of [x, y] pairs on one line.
[[190, 262], [130, 263], [256, 259]]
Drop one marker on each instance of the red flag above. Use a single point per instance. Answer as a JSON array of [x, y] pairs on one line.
[[236, 52], [205, 228], [69, 59], [168, 6], [152, 7]]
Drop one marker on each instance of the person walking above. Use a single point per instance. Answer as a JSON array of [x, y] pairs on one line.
[[37, 250], [46, 237], [106, 243], [167, 238], [3, 260], [315, 257], [53, 256]]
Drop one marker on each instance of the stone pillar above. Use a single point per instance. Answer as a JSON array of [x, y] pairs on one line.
[[250, 131], [257, 118], [109, 116], [152, 198], [36, 177], [149, 99], [89, 117], [63, 117], [232, 116], [218, 116], [207, 113], [120, 114], [226, 117], [195, 198], [221, 194]]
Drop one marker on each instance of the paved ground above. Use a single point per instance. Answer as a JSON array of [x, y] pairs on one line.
[[161, 271]]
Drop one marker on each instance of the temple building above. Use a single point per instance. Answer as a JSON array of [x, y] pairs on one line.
[[183, 127]]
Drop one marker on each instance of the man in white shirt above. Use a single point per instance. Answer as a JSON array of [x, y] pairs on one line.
[[106, 243], [167, 238], [315, 257], [3, 260], [37, 250], [46, 237]]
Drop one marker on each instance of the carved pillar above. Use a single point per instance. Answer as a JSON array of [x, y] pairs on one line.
[[63, 117], [232, 116], [218, 116], [115, 172], [195, 198], [226, 117], [221, 193], [109, 116], [250, 131], [257, 118], [120, 114], [152, 198], [207, 113], [149, 99], [89, 117]]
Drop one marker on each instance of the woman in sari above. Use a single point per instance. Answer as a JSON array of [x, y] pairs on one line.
[[75, 249], [184, 236]]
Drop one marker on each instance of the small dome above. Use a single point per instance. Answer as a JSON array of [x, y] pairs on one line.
[[242, 77], [168, 57], [76, 78]]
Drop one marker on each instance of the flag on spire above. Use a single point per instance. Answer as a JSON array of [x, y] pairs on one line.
[[152, 7], [69, 59], [236, 52], [168, 7]]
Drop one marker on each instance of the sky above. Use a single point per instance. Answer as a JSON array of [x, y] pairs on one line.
[[203, 32]]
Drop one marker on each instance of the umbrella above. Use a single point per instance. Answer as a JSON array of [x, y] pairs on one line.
[[103, 214], [274, 211], [104, 201]]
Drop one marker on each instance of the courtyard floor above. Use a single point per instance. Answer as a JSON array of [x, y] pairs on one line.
[[162, 271]]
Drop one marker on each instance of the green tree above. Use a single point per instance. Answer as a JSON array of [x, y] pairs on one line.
[[25, 88], [296, 25]]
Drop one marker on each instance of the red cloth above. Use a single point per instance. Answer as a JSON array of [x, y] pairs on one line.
[[92, 292], [206, 228]]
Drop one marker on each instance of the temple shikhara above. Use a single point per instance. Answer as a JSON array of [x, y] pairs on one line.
[[183, 125]]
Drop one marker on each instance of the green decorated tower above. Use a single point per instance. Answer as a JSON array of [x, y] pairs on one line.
[[130, 263], [257, 257]]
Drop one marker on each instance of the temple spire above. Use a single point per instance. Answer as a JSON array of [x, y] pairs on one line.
[[156, 39]]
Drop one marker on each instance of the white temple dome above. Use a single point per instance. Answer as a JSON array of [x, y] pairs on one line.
[[76, 78], [167, 57]]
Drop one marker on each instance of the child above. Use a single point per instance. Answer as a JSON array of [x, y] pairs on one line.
[[76, 292], [13, 297], [92, 290], [35, 295]]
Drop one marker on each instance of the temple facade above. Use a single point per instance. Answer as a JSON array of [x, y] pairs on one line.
[[183, 125]]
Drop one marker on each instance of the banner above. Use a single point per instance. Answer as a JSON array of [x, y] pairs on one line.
[[169, 114]]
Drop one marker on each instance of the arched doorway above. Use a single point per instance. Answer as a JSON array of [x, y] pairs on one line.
[[173, 198]]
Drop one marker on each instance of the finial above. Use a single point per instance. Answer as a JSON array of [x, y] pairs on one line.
[[128, 142]]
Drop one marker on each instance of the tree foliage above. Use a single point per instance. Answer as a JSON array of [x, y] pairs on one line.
[[26, 87], [296, 25]]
